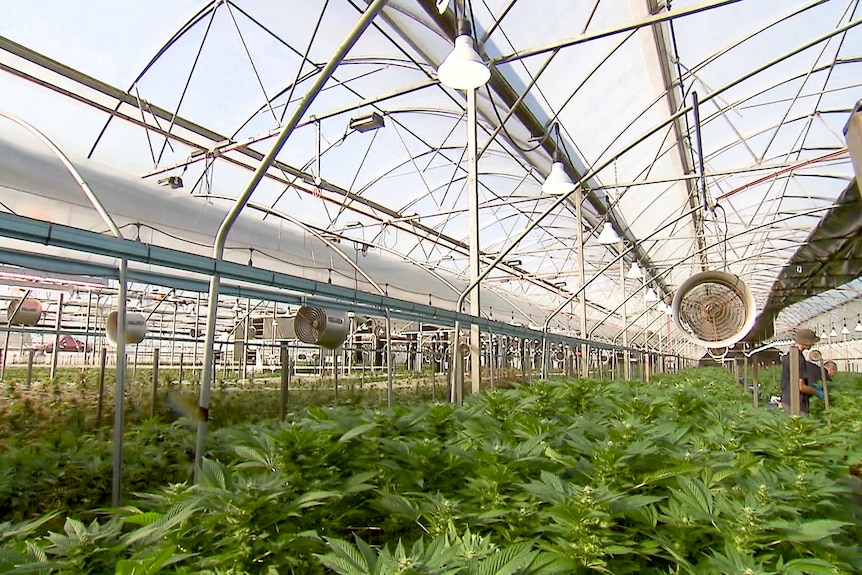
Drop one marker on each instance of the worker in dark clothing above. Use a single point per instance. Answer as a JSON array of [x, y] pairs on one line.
[[830, 367], [804, 339]]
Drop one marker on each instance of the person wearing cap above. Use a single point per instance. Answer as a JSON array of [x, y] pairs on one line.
[[814, 374], [805, 338], [830, 367]]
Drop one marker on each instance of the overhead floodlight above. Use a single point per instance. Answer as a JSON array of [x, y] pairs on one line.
[[823, 334], [858, 325], [634, 272], [463, 68], [367, 122], [608, 235], [845, 330], [651, 295], [833, 333], [513, 263], [173, 182], [558, 181]]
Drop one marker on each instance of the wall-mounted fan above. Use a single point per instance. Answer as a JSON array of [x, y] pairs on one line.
[[318, 326], [24, 312], [136, 327], [714, 309]]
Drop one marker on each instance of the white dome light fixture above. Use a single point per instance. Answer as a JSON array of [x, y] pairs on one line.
[[651, 295], [608, 235], [463, 68], [558, 181], [634, 272]]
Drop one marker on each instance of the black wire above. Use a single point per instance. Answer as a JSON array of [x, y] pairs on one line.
[[506, 132], [723, 233], [491, 98]]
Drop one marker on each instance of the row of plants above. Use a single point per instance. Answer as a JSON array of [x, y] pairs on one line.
[[679, 475]]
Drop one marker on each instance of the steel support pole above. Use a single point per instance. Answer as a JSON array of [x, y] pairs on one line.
[[121, 303], [55, 356], [119, 386], [582, 277], [626, 355], [456, 368], [390, 387], [795, 370], [473, 192], [5, 356], [231, 217], [87, 328]]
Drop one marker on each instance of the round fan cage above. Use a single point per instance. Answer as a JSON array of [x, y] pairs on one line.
[[714, 309], [317, 326], [718, 353]]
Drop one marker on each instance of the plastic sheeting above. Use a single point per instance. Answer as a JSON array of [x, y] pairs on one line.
[[831, 257]]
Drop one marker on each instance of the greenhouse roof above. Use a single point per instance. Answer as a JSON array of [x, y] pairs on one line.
[[195, 93]]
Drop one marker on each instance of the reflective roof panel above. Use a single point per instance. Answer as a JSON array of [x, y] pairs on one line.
[[200, 90]]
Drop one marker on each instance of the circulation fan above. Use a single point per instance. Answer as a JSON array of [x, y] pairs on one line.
[[136, 327], [24, 312], [318, 326], [714, 309]]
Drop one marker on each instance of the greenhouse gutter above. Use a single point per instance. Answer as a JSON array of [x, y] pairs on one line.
[[67, 237], [830, 257]]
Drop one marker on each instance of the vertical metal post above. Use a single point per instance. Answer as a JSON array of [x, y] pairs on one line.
[[119, 387], [546, 354], [389, 382], [30, 368], [155, 382], [180, 380], [196, 332], [626, 355], [5, 356], [582, 276], [794, 380], [103, 360], [87, 328], [524, 359], [56, 354], [825, 388], [473, 193], [456, 367], [755, 380], [285, 381], [221, 236], [492, 354], [174, 336]]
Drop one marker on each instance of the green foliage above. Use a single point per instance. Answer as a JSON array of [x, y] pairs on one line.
[[680, 475]]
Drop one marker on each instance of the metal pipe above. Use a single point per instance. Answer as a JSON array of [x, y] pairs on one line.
[[658, 18], [619, 257], [389, 381], [120, 374], [594, 171], [473, 193], [242, 200], [707, 247], [55, 356], [627, 357]]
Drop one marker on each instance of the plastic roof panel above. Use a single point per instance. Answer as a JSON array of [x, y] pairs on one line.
[[620, 84]]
